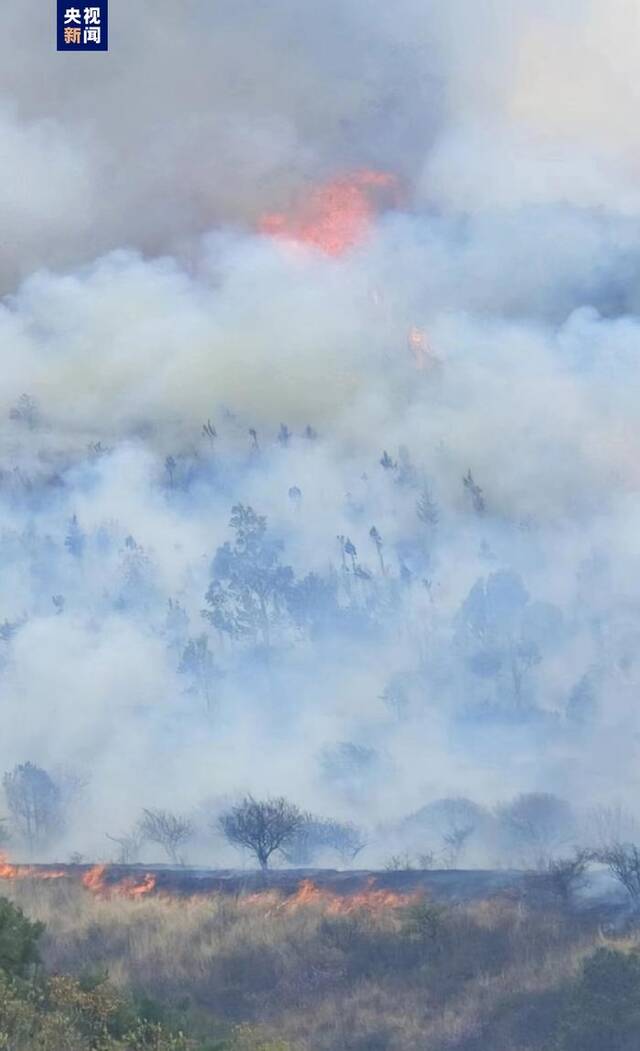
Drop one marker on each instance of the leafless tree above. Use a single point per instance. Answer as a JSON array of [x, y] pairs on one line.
[[262, 826], [345, 838], [565, 876], [455, 841], [171, 831], [427, 859], [129, 845], [459, 819], [302, 846], [608, 825], [403, 862], [315, 835], [623, 862], [451, 822]]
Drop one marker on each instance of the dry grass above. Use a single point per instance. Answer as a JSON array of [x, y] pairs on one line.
[[472, 977]]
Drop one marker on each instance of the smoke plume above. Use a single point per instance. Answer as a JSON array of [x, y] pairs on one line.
[[457, 380]]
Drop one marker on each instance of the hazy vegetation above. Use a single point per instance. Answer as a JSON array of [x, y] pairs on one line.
[[235, 973]]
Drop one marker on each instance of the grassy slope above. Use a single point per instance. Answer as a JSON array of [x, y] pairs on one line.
[[480, 975]]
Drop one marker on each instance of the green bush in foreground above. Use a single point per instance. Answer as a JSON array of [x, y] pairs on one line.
[[61, 1012], [88, 1013], [603, 1011], [18, 940]]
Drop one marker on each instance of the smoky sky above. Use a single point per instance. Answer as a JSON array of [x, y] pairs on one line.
[[139, 301]]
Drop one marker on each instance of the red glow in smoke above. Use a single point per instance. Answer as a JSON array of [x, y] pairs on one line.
[[338, 214]]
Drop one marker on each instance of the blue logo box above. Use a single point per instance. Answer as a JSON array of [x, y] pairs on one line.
[[84, 27]]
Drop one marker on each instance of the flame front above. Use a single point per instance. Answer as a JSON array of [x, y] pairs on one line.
[[337, 215], [95, 881], [309, 894], [9, 871]]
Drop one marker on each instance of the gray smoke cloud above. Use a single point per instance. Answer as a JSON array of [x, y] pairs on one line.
[[139, 302]]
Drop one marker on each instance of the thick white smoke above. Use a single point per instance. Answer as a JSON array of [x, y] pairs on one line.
[[139, 302]]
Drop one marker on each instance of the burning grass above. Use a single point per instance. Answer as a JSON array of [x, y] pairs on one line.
[[14, 872], [321, 971], [95, 881], [308, 895]]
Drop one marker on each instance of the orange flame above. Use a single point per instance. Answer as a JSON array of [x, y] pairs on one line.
[[309, 894], [337, 215], [9, 871], [95, 881]]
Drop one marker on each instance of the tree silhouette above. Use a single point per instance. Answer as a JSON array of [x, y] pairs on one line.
[[34, 802], [262, 826], [171, 831], [250, 586]]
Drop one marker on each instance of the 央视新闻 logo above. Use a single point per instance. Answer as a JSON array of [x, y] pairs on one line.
[[83, 28]]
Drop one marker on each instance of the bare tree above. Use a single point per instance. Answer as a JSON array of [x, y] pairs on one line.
[[304, 843], [623, 862], [458, 820], [403, 862], [171, 831], [345, 838], [129, 845], [34, 802], [451, 823], [262, 826], [315, 835], [454, 843], [565, 876], [608, 825]]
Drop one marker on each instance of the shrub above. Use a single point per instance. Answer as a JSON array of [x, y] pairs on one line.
[[59, 1014], [18, 939], [423, 921], [603, 1010], [623, 861]]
